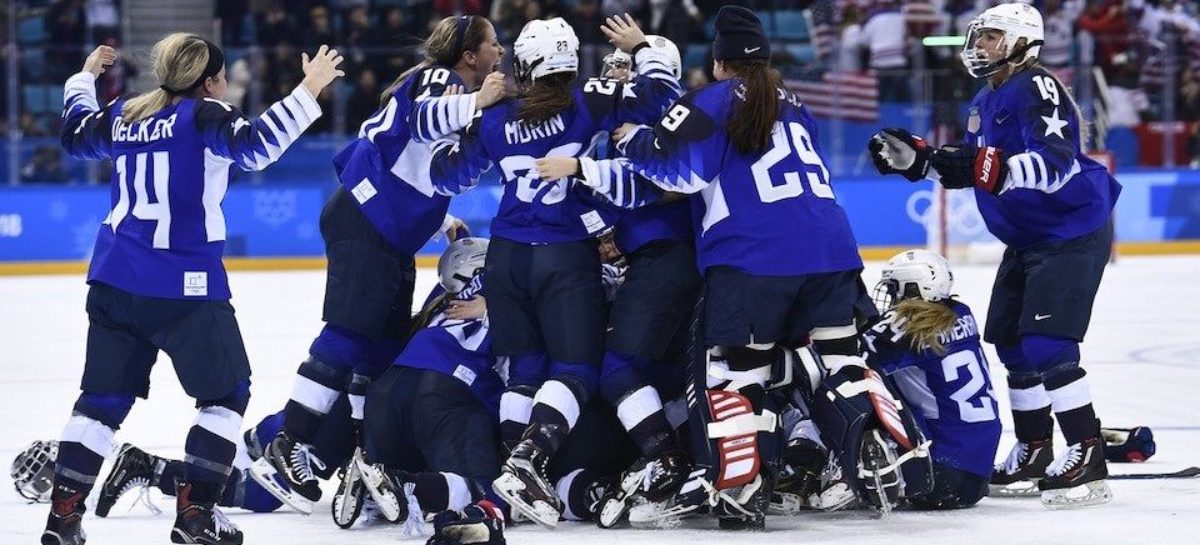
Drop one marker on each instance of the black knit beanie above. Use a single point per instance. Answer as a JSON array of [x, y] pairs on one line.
[[739, 35]]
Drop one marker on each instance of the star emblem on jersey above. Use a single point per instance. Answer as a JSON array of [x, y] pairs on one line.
[[1054, 124]]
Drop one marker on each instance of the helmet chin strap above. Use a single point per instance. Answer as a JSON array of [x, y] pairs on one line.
[[1017, 53]]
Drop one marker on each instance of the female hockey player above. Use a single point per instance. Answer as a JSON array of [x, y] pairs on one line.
[[1051, 205], [928, 343], [652, 303], [157, 280], [545, 296], [431, 418], [373, 225], [780, 263]]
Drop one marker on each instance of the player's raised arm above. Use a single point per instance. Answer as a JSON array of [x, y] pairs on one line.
[[459, 161], [253, 144], [85, 133], [442, 109]]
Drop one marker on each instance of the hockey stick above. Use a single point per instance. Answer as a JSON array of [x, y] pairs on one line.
[[1181, 474]]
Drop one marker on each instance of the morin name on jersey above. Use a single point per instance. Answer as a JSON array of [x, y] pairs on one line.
[[519, 132], [147, 130]]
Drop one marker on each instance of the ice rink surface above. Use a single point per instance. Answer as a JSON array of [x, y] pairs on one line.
[[1142, 355]]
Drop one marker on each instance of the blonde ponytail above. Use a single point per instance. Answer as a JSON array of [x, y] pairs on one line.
[[925, 322], [178, 60]]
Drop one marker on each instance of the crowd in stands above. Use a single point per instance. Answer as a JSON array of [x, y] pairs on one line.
[[1147, 50]]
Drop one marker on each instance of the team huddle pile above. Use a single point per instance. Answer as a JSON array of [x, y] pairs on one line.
[[668, 324]]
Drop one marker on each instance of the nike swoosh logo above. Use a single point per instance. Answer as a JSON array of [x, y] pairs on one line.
[[750, 50], [1040, 317], [1001, 120]]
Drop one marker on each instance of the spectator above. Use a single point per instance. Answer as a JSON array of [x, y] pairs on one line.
[[356, 36], [275, 26], [29, 127], [446, 8], [45, 166], [238, 77], [364, 100], [385, 55], [231, 14], [1106, 21], [696, 78], [674, 20], [65, 29], [1059, 17], [885, 34], [320, 29]]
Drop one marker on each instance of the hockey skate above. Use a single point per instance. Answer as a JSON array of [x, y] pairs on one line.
[[66, 513], [1025, 466], [696, 496], [348, 502], [1077, 477], [201, 523], [133, 469], [744, 507], [879, 472], [524, 485], [381, 487], [835, 493], [285, 470], [654, 481]]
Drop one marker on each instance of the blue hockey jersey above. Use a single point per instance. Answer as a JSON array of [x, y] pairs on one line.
[[769, 214], [1053, 191], [386, 168], [165, 234], [536, 212], [633, 204], [951, 394], [461, 349]]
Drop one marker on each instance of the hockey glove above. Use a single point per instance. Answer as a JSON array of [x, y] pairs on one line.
[[967, 166], [480, 523], [897, 151]]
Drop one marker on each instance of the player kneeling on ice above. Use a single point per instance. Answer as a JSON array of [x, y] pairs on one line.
[[1051, 205], [431, 424]]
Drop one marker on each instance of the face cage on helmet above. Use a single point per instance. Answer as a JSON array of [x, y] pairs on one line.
[[976, 61], [611, 61], [884, 295], [32, 471]]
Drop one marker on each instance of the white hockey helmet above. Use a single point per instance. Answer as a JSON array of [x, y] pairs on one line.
[[544, 48], [1024, 34], [621, 59], [32, 471], [914, 274], [668, 48], [461, 260]]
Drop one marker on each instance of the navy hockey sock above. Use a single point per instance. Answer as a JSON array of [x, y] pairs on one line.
[[212, 444], [1027, 395], [1070, 397], [88, 438], [638, 405]]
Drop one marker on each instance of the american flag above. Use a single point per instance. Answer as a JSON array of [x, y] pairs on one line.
[[848, 95]]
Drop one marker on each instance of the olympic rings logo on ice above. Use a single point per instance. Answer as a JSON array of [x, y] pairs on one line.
[[962, 215]]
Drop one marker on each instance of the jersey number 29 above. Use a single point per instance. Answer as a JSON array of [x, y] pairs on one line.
[[786, 139], [974, 391]]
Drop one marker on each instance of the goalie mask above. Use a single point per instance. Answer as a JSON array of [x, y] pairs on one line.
[[33, 471], [1023, 37], [914, 274], [461, 260], [544, 48]]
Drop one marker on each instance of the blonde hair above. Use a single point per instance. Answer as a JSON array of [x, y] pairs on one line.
[[924, 322], [178, 61], [439, 48]]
